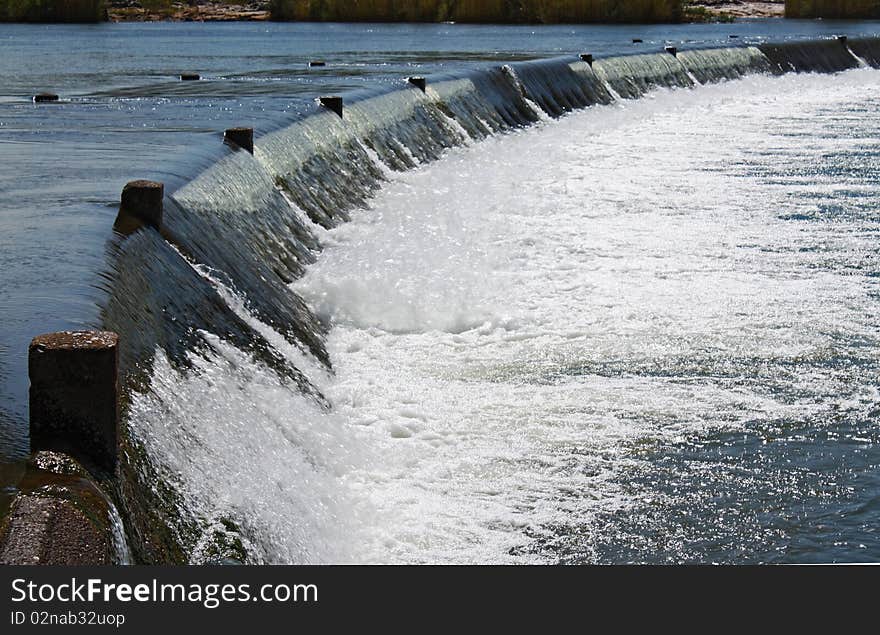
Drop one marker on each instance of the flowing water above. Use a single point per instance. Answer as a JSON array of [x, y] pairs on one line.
[[644, 331], [126, 116]]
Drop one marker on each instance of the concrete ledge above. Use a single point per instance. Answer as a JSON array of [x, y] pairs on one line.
[[61, 517]]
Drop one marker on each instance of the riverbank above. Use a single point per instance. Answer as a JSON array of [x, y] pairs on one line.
[[133, 11], [147, 11], [69, 11], [726, 9], [481, 11]]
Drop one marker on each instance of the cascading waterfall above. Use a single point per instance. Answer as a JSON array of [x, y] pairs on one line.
[[633, 76], [866, 49], [236, 447]]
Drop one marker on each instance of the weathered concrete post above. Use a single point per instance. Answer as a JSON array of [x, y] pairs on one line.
[[45, 98], [74, 406], [419, 82], [333, 103], [588, 58], [240, 137], [673, 51], [190, 77], [141, 200]]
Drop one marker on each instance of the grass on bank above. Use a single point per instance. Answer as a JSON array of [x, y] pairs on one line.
[[479, 11], [833, 9], [485, 11]]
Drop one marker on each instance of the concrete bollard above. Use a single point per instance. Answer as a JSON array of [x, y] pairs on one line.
[[317, 64], [74, 406], [190, 77], [333, 103], [141, 201], [419, 82], [673, 51], [45, 98], [240, 137], [588, 58]]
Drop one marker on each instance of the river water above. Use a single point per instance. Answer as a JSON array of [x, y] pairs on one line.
[[643, 332]]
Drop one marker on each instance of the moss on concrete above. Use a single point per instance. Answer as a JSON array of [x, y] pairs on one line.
[[60, 517]]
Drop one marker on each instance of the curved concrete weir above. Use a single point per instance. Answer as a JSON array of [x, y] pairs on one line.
[[235, 238]]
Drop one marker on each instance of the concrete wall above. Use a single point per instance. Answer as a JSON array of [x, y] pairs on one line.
[[480, 11], [840, 9], [52, 10]]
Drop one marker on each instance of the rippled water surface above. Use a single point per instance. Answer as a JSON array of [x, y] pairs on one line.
[[646, 332], [125, 116]]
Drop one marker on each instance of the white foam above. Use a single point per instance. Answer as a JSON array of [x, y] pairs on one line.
[[518, 324], [474, 288]]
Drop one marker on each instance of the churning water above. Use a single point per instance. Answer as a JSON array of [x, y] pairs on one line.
[[647, 331]]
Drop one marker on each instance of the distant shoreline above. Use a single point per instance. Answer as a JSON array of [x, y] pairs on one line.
[[706, 10], [262, 10], [209, 12], [734, 9]]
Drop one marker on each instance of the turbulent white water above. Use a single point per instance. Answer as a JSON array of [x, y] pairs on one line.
[[518, 325]]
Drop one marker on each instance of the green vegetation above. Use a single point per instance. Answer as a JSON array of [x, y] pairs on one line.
[[156, 5], [167, 6], [480, 11], [849, 9], [52, 10], [692, 13]]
